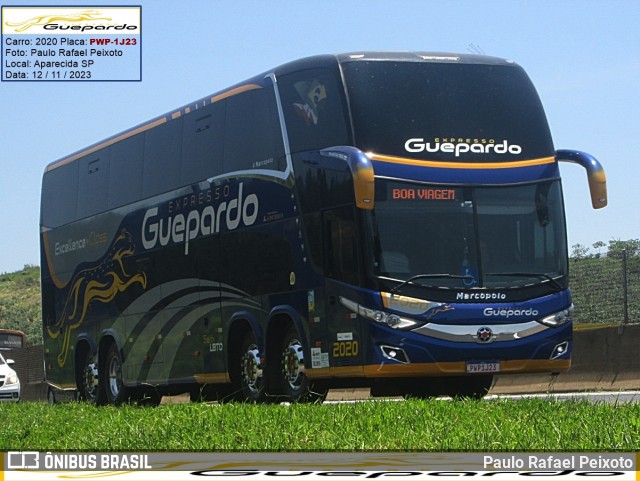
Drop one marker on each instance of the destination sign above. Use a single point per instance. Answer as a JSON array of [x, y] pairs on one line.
[[421, 193]]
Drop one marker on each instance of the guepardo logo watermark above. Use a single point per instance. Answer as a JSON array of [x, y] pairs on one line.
[[70, 20], [80, 43]]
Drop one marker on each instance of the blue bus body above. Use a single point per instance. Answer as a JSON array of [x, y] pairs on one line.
[[392, 220]]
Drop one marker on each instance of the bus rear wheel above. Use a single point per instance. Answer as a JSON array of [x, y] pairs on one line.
[[251, 378], [295, 383], [116, 391], [89, 386]]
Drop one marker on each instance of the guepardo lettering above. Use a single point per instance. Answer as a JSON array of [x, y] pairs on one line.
[[416, 145], [490, 312], [85, 28], [187, 227]]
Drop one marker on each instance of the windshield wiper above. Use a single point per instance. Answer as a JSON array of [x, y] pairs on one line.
[[539, 275], [397, 288]]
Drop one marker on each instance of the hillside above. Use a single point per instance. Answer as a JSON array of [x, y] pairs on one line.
[[20, 303]]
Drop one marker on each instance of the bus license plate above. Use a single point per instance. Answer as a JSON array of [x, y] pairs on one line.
[[480, 367]]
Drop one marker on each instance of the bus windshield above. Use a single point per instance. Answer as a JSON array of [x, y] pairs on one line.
[[467, 237], [446, 111]]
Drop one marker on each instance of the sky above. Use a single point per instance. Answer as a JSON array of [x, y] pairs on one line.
[[582, 55]]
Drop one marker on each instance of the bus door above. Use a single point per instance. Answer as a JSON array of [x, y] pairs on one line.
[[343, 274]]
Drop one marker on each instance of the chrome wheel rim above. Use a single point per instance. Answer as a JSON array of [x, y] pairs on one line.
[[90, 380], [115, 376], [251, 370], [293, 364]]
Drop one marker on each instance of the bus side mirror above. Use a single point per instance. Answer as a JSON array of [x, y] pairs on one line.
[[361, 171], [595, 174]]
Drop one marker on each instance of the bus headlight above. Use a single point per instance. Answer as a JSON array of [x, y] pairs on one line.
[[382, 317], [558, 318]]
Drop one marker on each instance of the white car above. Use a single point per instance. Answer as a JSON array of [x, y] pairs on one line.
[[9, 382]]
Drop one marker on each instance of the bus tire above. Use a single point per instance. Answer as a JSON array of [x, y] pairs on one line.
[[51, 396], [295, 383], [115, 390], [250, 384], [89, 383]]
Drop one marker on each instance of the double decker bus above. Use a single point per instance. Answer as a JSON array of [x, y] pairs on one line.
[[12, 339], [390, 220]]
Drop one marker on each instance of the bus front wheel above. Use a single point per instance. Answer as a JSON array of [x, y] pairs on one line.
[[295, 383]]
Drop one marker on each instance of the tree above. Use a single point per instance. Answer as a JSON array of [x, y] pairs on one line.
[[597, 246], [578, 251], [617, 246]]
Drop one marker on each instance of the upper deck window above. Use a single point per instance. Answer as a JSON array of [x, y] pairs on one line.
[[252, 138], [449, 112], [313, 106]]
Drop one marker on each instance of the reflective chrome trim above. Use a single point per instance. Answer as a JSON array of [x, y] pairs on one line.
[[283, 125], [560, 350], [468, 333], [395, 354]]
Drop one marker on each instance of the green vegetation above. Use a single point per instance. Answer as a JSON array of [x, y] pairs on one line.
[[417, 425], [20, 303], [598, 282]]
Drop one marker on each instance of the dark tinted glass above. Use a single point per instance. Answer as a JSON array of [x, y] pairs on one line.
[[470, 237], [93, 187], [60, 195], [238, 133], [252, 136], [314, 112], [202, 146], [125, 171], [162, 153], [437, 111]]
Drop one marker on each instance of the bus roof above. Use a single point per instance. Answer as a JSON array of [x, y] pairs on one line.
[[434, 57]]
